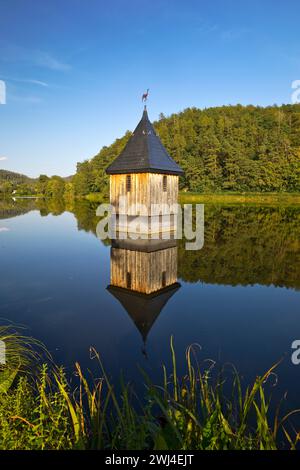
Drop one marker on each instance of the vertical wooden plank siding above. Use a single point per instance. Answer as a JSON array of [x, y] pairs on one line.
[[158, 195], [146, 269], [146, 189]]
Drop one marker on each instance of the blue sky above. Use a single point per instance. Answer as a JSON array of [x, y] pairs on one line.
[[75, 69]]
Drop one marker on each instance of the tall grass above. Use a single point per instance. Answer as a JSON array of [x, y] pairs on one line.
[[202, 409], [20, 353]]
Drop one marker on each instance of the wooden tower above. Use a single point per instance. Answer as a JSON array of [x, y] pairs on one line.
[[144, 175], [143, 278]]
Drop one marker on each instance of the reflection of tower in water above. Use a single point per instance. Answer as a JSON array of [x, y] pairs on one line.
[[143, 193], [143, 278]]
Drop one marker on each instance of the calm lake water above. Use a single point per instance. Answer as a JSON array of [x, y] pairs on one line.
[[238, 297]]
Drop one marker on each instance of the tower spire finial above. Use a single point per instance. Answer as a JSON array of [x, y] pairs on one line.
[[145, 96]]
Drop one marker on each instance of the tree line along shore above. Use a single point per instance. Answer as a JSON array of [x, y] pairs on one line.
[[224, 150]]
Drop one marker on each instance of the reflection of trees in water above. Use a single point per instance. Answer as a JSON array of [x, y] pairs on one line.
[[51, 206], [10, 208], [84, 211], [246, 245], [243, 244]]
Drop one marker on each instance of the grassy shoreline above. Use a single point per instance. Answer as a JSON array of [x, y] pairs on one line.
[[41, 410], [238, 198], [216, 198], [222, 198]]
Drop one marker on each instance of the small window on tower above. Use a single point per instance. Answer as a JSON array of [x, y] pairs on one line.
[[128, 183], [163, 279], [128, 280], [165, 181]]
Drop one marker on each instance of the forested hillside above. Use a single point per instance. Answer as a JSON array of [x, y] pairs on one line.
[[9, 179], [13, 177], [22, 185], [230, 148]]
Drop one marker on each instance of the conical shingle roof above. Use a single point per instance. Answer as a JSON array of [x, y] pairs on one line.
[[143, 309], [144, 153]]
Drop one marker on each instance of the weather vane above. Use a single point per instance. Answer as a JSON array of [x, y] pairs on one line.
[[145, 96]]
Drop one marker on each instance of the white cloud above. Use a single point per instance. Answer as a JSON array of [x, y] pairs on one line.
[[25, 80], [13, 53], [207, 28], [2, 159], [234, 34], [43, 59], [36, 82]]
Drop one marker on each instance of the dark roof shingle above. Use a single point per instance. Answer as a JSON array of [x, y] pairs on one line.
[[143, 309], [144, 153]]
